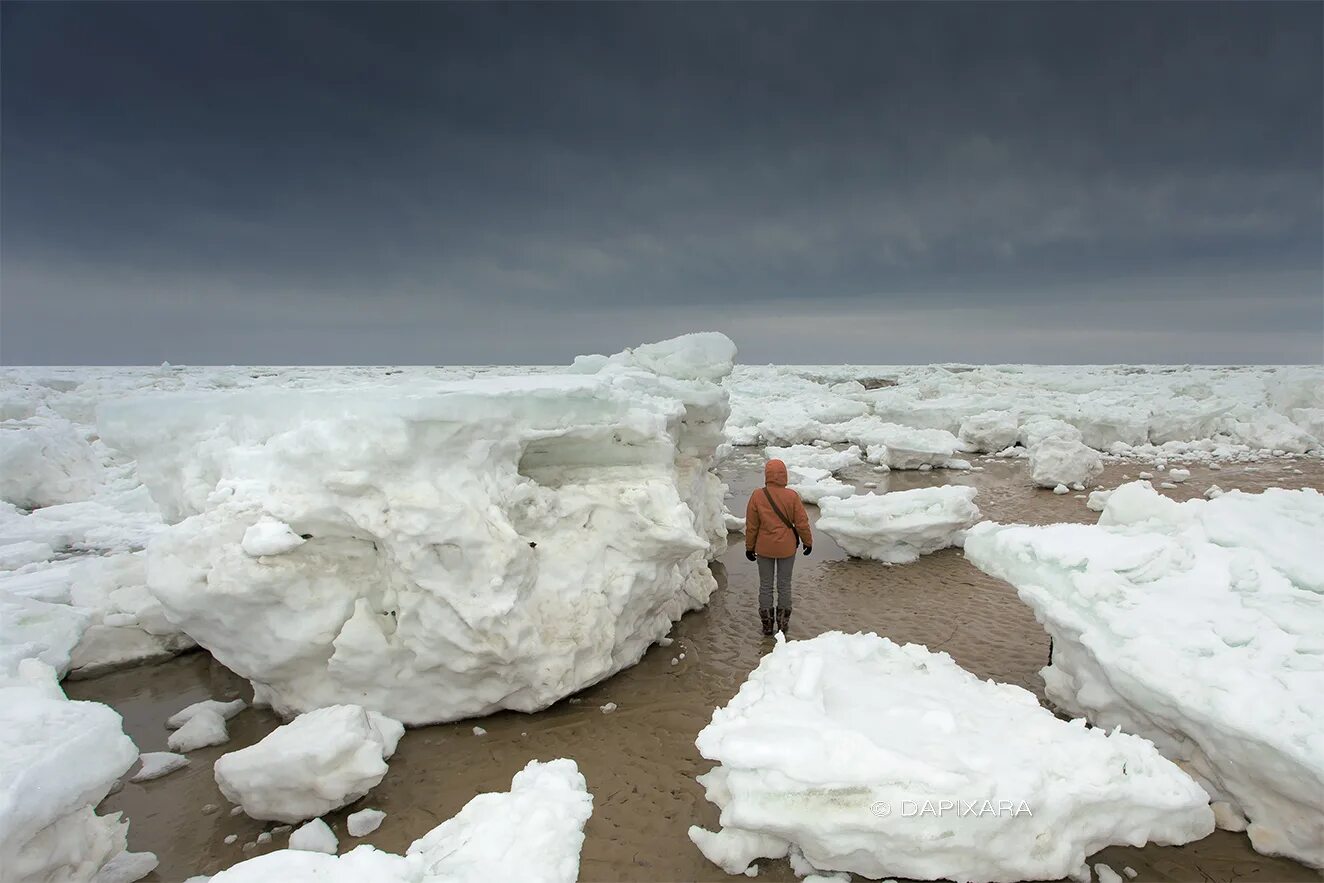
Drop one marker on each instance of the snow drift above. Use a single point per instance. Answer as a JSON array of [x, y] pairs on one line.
[[464, 547], [1199, 625], [856, 754]]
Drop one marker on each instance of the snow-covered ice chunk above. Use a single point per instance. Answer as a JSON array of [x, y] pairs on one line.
[[1196, 625], [16, 555], [1061, 489], [900, 447], [46, 461], [156, 764], [816, 485], [203, 729], [1179, 475], [1055, 461], [36, 629], [1098, 500], [532, 833], [1038, 429], [127, 867], [270, 537], [58, 760], [320, 761], [472, 545], [364, 822], [886, 760], [226, 710], [901, 526], [990, 431], [734, 524], [315, 836], [813, 457]]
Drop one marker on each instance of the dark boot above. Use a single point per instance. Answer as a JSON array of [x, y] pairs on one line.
[[769, 623], [783, 619]]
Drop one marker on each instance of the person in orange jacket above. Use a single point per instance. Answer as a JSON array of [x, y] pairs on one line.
[[775, 524]]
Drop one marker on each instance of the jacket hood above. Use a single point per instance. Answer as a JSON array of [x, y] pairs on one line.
[[774, 473]]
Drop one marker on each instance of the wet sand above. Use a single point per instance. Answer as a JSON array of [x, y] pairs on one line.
[[640, 761]]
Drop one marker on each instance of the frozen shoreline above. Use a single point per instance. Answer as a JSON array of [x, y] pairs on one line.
[[640, 760]]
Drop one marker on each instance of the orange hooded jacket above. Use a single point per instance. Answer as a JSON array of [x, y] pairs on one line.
[[766, 534]]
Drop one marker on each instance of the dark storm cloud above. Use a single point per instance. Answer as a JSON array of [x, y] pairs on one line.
[[496, 183]]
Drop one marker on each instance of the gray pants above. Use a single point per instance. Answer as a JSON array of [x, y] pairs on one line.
[[782, 567]]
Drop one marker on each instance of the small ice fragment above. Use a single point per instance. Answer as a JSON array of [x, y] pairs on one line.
[[479, 731], [1130, 872], [156, 764], [665, 642], [675, 659], [203, 729], [364, 822], [226, 710], [608, 708], [1146, 475], [315, 836], [231, 838], [1107, 874], [264, 837], [1061, 489]]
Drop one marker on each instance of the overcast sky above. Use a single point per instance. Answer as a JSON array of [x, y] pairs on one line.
[[889, 183]]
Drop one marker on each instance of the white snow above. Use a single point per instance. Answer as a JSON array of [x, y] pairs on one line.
[[493, 543], [226, 710], [1228, 413], [364, 822], [315, 836], [1197, 625], [58, 760], [1055, 461], [320, 761], [886, 760], [156, 764], [270, 537], [901, 526], [532, 833], [202, 730]]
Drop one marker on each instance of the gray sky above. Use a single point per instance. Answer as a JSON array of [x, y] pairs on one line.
[[488, 183]]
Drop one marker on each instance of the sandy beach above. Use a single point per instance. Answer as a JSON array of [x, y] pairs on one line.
[[640, 760]]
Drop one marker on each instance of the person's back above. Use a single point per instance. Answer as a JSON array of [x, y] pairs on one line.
[[775, 524]]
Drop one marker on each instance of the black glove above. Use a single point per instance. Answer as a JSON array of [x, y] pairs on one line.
[[808, 549], [749, 554]]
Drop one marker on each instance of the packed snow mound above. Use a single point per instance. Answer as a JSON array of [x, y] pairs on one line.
[[467, 547], [900, 526], [1055, 461], [44, 462], [532, 833], [892, 761], [58, 760], [1197, 625], [320, 761]]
